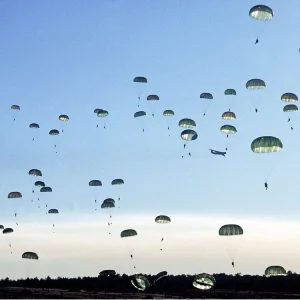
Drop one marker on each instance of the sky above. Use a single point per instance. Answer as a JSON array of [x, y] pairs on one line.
[[70, 57]]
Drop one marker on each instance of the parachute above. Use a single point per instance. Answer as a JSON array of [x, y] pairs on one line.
[[128, 233], [13, 195], [139, 114], [206, 96], [53, 211], [34, 125], [228, 116], [96, 110], [35, 172], [290, 108], [255, 84], [140, 282], [39, 184], [139, 86], [117, 182], [107, 273], [204, 281], [275, 271], [206, 104], [266, 144], [168, 113], [102, 113], [187, 123], [107, 205], [230, 92], [162, 219], [189, 135], [261, 13], [152, 98], [95, 183], [63, 118], [1, 227], [15, 107], [228, 129], [230, 229], [46, 189], [109, 200], [30, 255], [140, 79], [289, 97], [54, 132], [7, 230]]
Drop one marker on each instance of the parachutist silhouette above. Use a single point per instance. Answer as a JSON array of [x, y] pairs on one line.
[[204, 114], [152, 115], [14, 119], [162, 239], [131, 256], [17, 223], [15, 214], [62, 130], [232, 264], [143, 130], [182, 156], [266, 185], [226, 148], [168, 128], [289, 119], [292, 128], [139, 98], [160, 249], [256, 110], [104, 127], [33, 139], [119, 198], [190, 154], [53, 225], [97, 126], [227, 136], [184, 145], [95, 201], [256, 42], [32, 191], [110, 216]]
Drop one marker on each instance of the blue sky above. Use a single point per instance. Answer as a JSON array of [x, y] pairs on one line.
[[70, 57]]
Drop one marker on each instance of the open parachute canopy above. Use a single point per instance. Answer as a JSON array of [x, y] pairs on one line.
[[63, 118], [187, 123], [102, 113], [231, 229], [109, 200], [13, 195], [228, 116], [275, 271], [1, 227], [204, 281], [266, 144], [162, 219], [46, 189], [30, 255], [53, 211], [107, 273], [206, 96], [35, 172], [95, 182], [230, 92], [261, 13], [140, 79], [54, 132], [189, 135], [16, 107], [107, 204], [39, 184], [255, 84], [128, 233], [152, 98], [168, 113], [34, 125], [290, 108], [7, 230], [228, 129], [117, 182], [140, 113], [289, 97], [140, 282]]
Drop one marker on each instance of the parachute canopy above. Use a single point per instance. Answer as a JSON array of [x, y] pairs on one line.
[[228, 129], [189, 135], [117, 182], [7, 230], [63, 118], [204, 281], [140, 79], [34, 125], [152, 98], [162, 219], [107, 273], [95, 183], [261, 13], [53, 211], [128, 233], [266, 144], [30, 255], [17, 107], [140, 113], [102, 113], [230, 92], [109, 200], [168, 113], [187, 123], [54, 132], [206, 96], [107, 204], [255, 84], [290, 108], [12, 195], [275, 271], [228, 115], [1, 227], [289, 97], [46, 189], [140, 282], [35, 172], [231, 229], [39, 184]]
